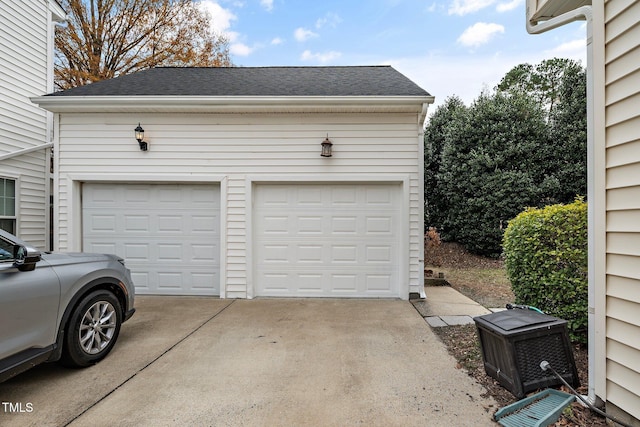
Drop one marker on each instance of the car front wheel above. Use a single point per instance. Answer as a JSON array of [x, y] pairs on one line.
[[92, 330]]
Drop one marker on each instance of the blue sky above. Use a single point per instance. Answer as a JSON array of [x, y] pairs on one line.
[[448, 47]]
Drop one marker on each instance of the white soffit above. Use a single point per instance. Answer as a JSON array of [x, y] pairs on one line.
[[544, 10]]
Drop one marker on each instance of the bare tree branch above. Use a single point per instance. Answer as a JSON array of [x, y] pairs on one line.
[[108, 38]]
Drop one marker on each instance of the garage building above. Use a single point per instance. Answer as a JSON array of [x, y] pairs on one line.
[[232, 196]]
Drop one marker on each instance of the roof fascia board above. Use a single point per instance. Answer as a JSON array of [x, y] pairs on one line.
[[60, 104], [583, 13], [58, 13]]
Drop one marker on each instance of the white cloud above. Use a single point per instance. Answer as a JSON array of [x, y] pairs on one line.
[[232, 36], [276, 41], [449, 76], [511, 5], [221, 18], [303, 34], [575, 49], [267, 4], [479, 33], [464, 7], [240, 49], [322, 58], [329, 20]]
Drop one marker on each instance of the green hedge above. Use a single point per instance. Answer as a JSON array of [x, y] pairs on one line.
[[546, 260]]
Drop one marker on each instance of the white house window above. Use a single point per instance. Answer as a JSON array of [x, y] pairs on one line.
[[8, 205]]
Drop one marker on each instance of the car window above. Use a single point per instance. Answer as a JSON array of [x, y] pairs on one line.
[[6, 251]]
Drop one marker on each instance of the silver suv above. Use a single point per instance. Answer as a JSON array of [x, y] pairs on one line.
[[59, 307]]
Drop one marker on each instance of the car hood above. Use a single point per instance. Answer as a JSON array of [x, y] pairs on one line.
[[62, 258]]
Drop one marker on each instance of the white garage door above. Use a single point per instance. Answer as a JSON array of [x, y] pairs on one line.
[[169, 234], [327, 240]]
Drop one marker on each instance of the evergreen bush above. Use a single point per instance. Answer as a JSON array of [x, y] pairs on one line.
[[546, 261]]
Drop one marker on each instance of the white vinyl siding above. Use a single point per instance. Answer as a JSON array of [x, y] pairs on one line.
[[24, 73], [622, 106], [234, 148]]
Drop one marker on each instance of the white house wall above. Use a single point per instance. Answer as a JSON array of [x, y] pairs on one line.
[[622, 112], [25, 30], [238, 150]]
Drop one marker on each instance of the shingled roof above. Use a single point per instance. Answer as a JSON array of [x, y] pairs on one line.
[[380, 81]]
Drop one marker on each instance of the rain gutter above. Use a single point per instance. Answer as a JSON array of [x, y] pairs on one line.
[[583, 13]]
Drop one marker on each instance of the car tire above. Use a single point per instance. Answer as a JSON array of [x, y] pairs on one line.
[[92, 330]]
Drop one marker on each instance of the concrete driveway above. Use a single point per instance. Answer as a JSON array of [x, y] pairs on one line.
[[265, 362]]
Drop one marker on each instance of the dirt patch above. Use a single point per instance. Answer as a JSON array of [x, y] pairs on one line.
[[485, 281], [463, 345], [451, 254]]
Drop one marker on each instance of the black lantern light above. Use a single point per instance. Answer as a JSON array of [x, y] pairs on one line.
[[140, 138], [326, 147]]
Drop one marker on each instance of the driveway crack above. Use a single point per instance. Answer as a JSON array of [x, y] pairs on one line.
[[150, 363]]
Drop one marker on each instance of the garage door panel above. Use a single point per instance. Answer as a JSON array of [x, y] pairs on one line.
[[379, 283], [100, 223], [136, 252], [167, 233], [310, 197], [103, 248], [141, 281], [170, 252], [310, 254], [170, 223], [344, 283], [205, 224], [274, 225], [346, 244], [275, 283], [344, 197], [137, 223], [379, 225], [379, 197], [306, 225], [344, 225], [310, 283], [379, 254]]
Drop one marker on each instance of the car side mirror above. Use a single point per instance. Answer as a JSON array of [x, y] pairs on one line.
[[20, 255], [25, 259]]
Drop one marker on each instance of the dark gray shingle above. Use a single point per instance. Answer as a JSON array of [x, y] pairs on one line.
[[255, 81]]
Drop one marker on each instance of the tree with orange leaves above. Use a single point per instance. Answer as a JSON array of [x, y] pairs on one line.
[[108, 38]]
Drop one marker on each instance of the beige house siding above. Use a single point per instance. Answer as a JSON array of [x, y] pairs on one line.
[[25, 71], [238, 150], [622, 136]]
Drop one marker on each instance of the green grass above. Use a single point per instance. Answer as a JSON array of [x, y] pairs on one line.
[[489, 287]]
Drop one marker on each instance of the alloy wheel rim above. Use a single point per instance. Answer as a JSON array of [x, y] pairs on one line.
[[97, 327]]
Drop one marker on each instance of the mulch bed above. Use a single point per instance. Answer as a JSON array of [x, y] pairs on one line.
[[463, 344]]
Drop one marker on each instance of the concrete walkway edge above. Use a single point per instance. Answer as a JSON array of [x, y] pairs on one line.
[[444, 306]]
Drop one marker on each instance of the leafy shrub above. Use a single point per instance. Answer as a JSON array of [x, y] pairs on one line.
[[522, 144], [431, 243], [491, 169], [546, 260]]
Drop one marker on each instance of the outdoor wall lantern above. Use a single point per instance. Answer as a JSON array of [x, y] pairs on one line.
[[326, 147], [140, 138]]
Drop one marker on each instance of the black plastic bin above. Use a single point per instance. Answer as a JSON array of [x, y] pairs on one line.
[[514, 342]]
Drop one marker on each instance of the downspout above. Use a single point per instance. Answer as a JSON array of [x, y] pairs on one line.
[[583, 13], [25, 151], [421, 124]]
